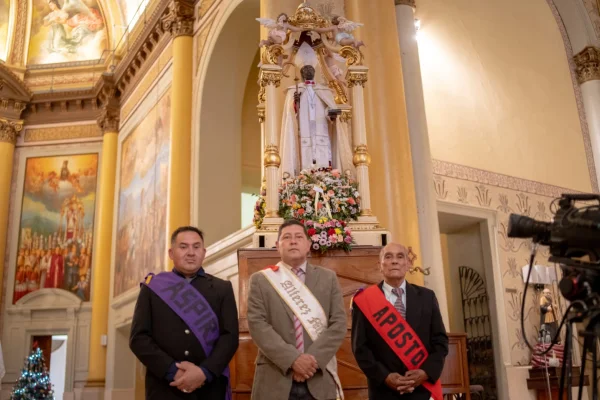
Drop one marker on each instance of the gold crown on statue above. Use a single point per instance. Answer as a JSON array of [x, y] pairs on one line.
[[307, 18]]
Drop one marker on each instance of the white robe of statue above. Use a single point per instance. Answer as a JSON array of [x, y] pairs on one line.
[[315, 143]]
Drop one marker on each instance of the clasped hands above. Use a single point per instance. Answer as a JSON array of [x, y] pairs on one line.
[[189, 377], [406, 383], [304, 367]]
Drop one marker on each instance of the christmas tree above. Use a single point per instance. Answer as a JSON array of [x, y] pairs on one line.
[[34, 383]]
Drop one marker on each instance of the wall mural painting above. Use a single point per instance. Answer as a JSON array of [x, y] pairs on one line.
[[66, 31], [56, 225], [132, 10], [142, 221], [4, 16]]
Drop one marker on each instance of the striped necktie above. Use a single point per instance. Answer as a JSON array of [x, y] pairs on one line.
[[399, 304], [298, 329]]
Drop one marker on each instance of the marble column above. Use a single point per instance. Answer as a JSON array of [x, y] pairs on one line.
[[9, 129], [429, 229], [587, 64], [180, 21], [103, 229]]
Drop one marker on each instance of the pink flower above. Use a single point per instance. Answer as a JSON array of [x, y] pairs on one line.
[[351, 201], [330, 193], [348, 239]]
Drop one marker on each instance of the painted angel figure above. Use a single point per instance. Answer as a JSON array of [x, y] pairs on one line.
[[342, 30], [277, 29]]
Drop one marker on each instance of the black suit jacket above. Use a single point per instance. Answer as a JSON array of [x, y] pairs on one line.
[[377, 360], [159, 338]]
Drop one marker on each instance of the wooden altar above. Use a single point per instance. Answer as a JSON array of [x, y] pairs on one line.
[[354, 270]]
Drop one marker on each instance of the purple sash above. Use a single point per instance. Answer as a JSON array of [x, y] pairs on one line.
[[189, 304]]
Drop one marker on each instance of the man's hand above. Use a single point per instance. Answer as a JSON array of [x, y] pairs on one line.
[[305, 366], [191, 378], [417, 375], [400, 383], [298, 378]]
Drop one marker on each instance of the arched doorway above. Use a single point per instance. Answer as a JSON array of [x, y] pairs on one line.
[[227, 133]]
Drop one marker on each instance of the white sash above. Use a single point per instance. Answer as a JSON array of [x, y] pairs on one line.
[[306, 307]]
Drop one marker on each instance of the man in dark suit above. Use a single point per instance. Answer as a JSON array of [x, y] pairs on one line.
[[185, 358], [388, 376]]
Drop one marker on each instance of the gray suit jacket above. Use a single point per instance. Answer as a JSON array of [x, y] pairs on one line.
[[271, 326]]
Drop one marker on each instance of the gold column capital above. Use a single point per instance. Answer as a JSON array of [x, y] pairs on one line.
[[587, 64], [108, 120], [357, 78], [270, 77], [361, 156], [410, 3], [272, 158], [9, 130], [180, 18], [346, 116]]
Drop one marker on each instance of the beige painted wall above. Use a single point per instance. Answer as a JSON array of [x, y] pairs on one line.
[[220, 177], [498, 91]]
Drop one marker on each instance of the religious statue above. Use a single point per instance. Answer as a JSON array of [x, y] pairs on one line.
[[307, 141], [548, 321]]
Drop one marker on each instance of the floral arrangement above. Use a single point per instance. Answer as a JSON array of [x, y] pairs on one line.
[[324, 200]]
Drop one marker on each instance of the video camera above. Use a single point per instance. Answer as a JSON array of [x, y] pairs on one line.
[[573, 238]]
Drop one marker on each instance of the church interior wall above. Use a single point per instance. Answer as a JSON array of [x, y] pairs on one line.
[[504, 100]]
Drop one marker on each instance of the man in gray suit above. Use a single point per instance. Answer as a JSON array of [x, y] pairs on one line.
[[290, 365]]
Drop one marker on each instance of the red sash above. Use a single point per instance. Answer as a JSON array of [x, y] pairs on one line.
[[396, 332]]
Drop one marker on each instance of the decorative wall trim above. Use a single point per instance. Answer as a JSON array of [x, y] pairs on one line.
[[589, 155], [18, 48], [62, 133], [494, 179], [204, 7]]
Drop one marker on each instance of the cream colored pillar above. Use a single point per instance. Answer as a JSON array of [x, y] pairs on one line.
[[391, 177], [9, 129], [270, 79], [429, 229], [357, 77], [180, 21], [588, 74], [109, 123]]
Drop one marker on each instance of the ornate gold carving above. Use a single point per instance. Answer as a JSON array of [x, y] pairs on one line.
[[180, 18], [272, 158], [270, 78], [272, 54], [361, 156], [62, 133], [346, 116], [9, 130], [108, 120], [20, 32], [307, 18], [410, 3], [64, 79], [366, 212], [261, 114], [587, 64], [262, 95], [352, 55], [357, 78]]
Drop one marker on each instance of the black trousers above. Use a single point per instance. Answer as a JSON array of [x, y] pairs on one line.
[[300, 392]]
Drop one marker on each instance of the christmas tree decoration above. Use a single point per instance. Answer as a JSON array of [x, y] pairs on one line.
[[34, 382]]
